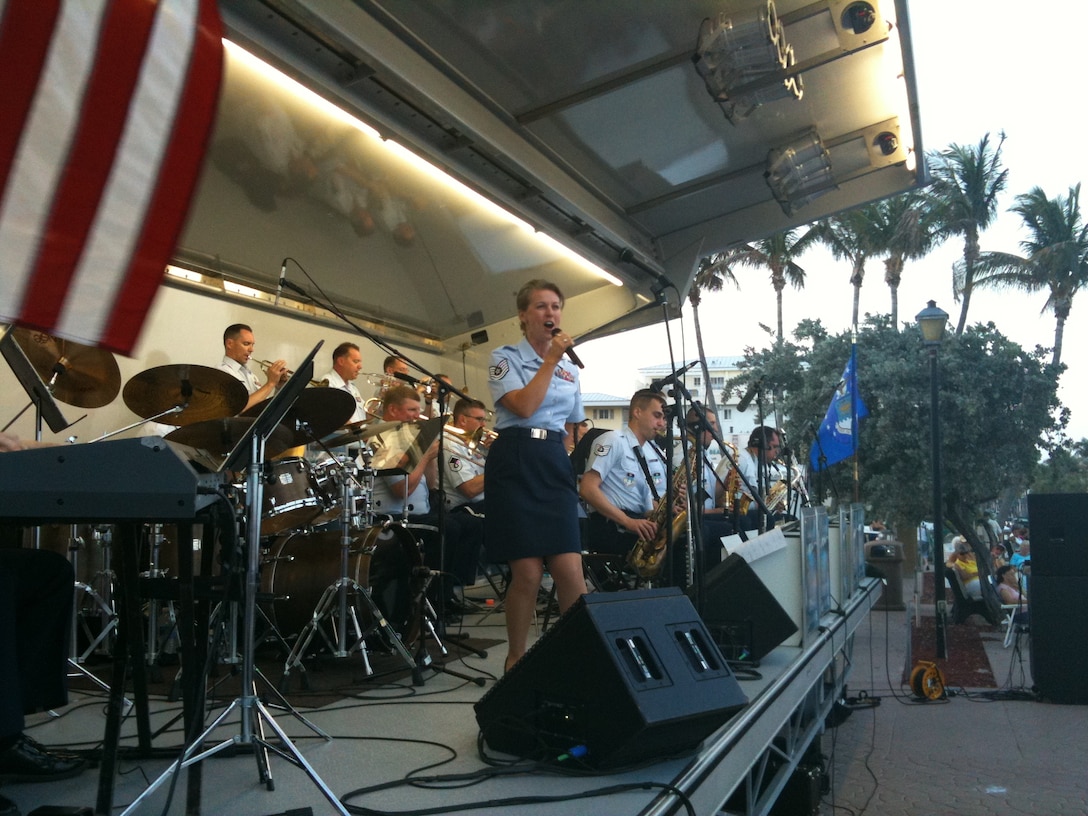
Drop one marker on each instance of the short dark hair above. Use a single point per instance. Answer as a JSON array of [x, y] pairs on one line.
[[232, 331], [388, 361], [760, 436], [342, 350], [1002, 570], [464, 404], [643, 397]]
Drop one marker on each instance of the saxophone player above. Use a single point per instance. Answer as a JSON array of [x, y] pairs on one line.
[[713, 521], [624, 476]]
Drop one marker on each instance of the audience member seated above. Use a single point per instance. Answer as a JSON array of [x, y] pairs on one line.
[[1008, 586], [965, 566]]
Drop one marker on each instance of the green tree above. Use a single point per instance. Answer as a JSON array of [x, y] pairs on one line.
[[967, 181], [905, 230], [853, 236], [997, 404], [1066, 471], [1055, 255], [778, 254], [713, 273]]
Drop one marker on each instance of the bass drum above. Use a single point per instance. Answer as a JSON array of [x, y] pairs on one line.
[[385, 560]]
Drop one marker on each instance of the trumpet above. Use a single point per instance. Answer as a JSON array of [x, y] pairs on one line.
[[265, 364]]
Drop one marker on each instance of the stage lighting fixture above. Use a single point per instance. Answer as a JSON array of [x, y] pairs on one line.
[[738, 58], [799, 172], [859, 17]]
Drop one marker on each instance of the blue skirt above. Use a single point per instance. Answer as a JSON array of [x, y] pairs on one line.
[[532, 499]]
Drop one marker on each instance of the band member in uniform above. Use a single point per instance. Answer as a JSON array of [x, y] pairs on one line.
[[624, 477], [532, 513], [463, 479], [759, 454], [394, 494], [347, 362], [714, 523], [391, 366], [238, 345]]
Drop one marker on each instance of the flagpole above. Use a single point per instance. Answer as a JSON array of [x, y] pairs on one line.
[[854, 409]]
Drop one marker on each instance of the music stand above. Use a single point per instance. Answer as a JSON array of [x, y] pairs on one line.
[[254, 715]]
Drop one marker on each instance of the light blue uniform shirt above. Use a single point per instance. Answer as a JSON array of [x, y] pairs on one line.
[[622, 480], [512, 367]]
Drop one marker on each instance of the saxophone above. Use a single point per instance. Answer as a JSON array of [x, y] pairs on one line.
[[647, 557]]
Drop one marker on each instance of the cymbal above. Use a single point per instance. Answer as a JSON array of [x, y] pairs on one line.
[[219, 436], [346, 435], [322, 409], [397, 447], [211, 393], [88, 377]]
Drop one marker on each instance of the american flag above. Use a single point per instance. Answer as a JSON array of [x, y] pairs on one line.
[[107, 107]]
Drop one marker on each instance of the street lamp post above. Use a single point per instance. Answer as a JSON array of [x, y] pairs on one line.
[[932, 321]]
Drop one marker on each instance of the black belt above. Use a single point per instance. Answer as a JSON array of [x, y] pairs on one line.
[[532, 433]]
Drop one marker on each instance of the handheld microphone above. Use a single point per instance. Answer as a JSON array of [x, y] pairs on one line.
[[570, 351], [657, 385], [283, 278]]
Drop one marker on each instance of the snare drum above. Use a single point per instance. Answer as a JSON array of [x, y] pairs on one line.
[[385, 560], [292, 498]]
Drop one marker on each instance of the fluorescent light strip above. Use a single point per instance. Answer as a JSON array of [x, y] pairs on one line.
[[417, 161]]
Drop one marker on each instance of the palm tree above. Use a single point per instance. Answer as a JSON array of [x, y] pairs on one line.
[[905, 231], [713, 273], [852, 236], [1055, 255], [779, 254], [967, 182]]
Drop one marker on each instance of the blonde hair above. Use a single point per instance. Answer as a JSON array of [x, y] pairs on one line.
[[525, 293]]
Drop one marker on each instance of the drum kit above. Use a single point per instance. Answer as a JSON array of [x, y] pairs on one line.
[[320, 579]]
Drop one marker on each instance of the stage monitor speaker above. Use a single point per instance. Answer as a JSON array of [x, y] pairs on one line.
[[1058, 620], [1059, 533], [744, 618], [621, 676]]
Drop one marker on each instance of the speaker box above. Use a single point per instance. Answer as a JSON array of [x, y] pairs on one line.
[[628, 675], [1059, 533], [745, 620], [1059, 618]]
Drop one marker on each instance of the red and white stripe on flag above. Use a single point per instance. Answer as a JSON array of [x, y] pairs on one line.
[[107, 109]]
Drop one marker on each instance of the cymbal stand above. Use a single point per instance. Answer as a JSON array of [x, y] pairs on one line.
[[105, 610], [427, 628], [334, 607], [155, 641], [253, 714]]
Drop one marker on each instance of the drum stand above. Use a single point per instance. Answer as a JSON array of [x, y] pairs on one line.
[[254, 715], [333, 607]]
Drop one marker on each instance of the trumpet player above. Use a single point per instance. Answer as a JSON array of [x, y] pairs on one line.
[[625, 475], [463, 480], [238, 345], [347, 362]]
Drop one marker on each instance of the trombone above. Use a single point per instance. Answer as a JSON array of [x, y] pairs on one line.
[[265, 364]]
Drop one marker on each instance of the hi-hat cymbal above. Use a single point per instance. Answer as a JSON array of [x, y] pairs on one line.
[[322, 410], [86, 377], [219, 436], [206, 393]]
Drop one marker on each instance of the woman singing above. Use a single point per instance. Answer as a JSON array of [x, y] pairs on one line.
[[532, 501]]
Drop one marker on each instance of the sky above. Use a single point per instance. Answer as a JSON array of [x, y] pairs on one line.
[[982, 67]]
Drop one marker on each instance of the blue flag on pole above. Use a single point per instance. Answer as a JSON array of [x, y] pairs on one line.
[[838, 434]]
